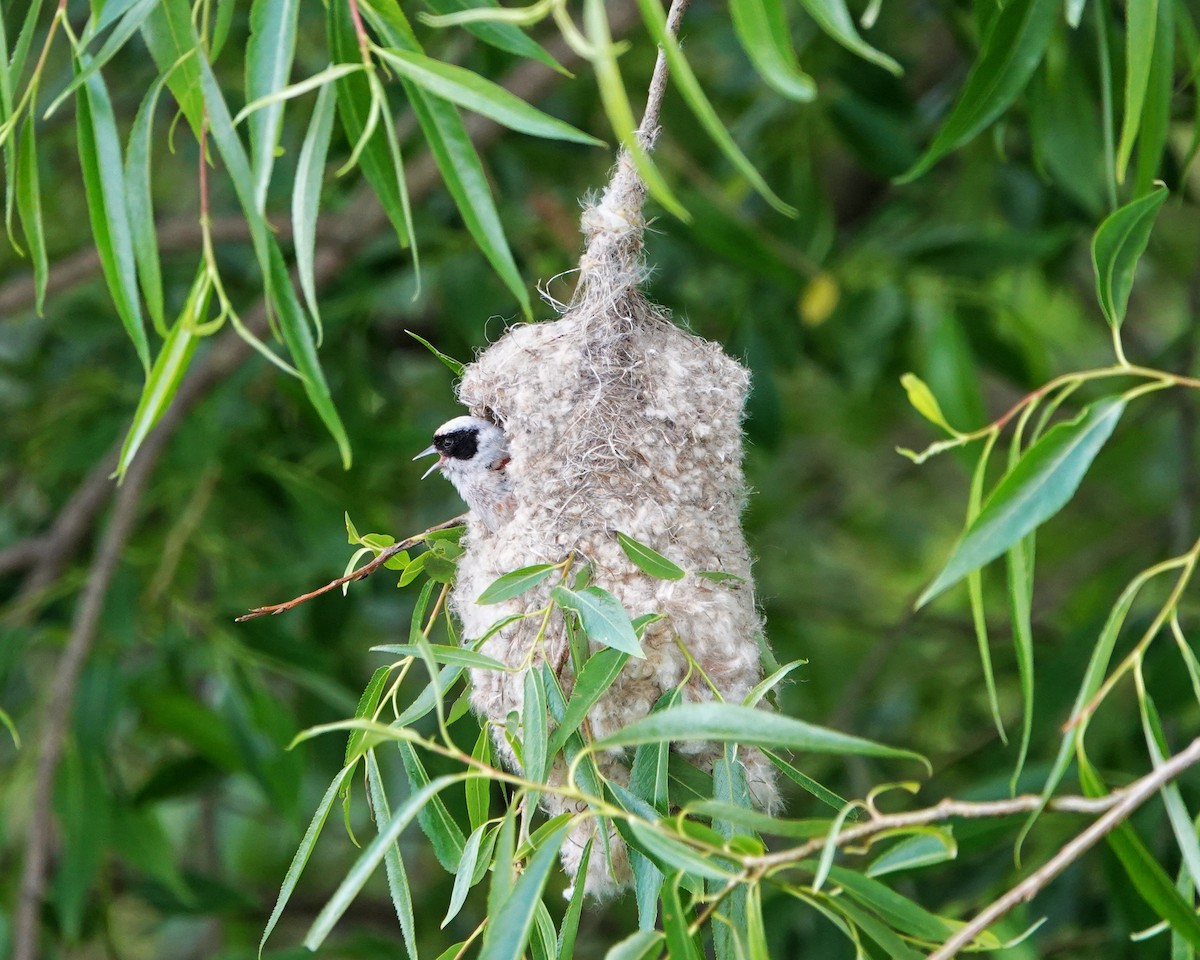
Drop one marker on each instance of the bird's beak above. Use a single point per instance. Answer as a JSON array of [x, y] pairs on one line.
[[426, 452]]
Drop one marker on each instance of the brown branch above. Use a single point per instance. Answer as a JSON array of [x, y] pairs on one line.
[[361, 573], [1127, 800], [58, 711], [347, 234]]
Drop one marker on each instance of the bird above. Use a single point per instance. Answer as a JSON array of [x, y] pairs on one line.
[[473, 455]]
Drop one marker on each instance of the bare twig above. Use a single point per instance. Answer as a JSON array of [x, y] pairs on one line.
[[361, 573], [658, 80], [1126, 801]]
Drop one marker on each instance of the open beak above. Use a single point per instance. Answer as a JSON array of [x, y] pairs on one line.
[[426, 452]]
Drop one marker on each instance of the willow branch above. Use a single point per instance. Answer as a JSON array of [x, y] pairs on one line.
[[361, 573], [658, 80], [947, 809], [1126, 802]]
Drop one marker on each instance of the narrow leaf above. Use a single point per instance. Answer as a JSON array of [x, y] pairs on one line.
[[397, 877], [306, 195], [269, 54], [680, 945], [602, 668], [1117, 247], [470, 90], [29, 206], [1140, 24], [139, 159], [1041, 484], [834, 18], [515, 583], [1012, 48], [100, 158], [161, 384], [729, 723], [508, 929], [603, 617], [648, 560], [762, 29], [303, 852], [368, 861]]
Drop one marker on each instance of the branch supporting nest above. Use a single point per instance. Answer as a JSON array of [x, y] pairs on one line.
[[361, 573]]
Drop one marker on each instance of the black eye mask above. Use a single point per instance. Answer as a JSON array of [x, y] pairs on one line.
[[459, 445]]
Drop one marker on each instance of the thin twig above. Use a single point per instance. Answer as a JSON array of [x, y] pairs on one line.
[[947, 809], [1126, 802], [361, 573], [658, 80]]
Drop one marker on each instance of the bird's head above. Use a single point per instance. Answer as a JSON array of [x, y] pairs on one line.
[[465, 444]]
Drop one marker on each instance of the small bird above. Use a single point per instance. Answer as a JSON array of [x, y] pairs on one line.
[[473, 455]]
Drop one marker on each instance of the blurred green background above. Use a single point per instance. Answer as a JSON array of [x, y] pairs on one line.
[[177, 808]]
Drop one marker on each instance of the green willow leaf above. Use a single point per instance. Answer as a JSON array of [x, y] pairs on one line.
[[515, 583], [1117, 247], [834, 18], [598, 674], [161, 384], [435, 820], [303, 852], [173, 46], [637, 946], [648, 560], [604, 619], [366, 710], [680, 945], [903, 914], [930, 846], [685, 79], [129, 25], [730, 723], [464, 874], [440, 653], [306, 196], [805, 782], [1041, 484], [478, 790], [569, 927], [509, 926], [762, 29], [1012, 49], [397, 876], [469, 90], [1140, 26], [503, 36], [354, 99], [100, 158], [534, 728], [369, 860], [29, 206], [1156, 109], [138, 197], [269, 54]]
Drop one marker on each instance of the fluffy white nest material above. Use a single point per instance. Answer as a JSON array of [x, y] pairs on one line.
[[617, 420]]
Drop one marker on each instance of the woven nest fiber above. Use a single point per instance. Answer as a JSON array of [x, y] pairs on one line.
[[617, 420]]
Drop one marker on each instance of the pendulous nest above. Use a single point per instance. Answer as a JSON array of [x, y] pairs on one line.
[[618, 420]]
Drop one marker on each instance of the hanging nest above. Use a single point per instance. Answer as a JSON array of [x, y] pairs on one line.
[[617, 420]]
